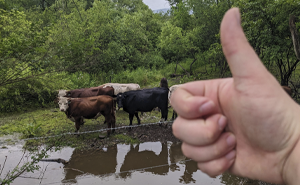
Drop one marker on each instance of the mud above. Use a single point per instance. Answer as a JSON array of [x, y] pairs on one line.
[[151, 133]]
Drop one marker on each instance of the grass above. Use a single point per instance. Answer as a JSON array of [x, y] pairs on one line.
[[50, 121], [126, 139]]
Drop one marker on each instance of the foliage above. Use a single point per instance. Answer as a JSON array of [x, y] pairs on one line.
[[266, 24], [61, 44], [32, 129], [182, 16], [31, 165], [208, 16], [172, 43]]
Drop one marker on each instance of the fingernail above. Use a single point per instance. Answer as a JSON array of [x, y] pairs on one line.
[[222, 122], [206, 107], [230, 140], [231, 155]]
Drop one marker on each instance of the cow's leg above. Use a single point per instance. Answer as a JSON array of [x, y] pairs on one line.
[[81, 121], [113, 123], [137, 117], [130, 118], [77, 123], [164, 113], [108, 121], [174, 114]]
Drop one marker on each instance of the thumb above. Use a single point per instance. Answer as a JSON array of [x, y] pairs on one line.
[[242, 59]]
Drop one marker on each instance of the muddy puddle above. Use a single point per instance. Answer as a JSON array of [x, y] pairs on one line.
[[147, 163]]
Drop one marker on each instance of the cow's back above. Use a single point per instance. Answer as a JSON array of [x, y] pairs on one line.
[[89, 107], [90, 92], [121, 88], [145, 100]]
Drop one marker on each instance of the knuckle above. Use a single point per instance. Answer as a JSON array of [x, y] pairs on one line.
[[210, 136], [212, 170], [216, 151]]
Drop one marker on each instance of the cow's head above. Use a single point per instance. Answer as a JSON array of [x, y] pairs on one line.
[[62, 93], [64, 103], [120, 98]]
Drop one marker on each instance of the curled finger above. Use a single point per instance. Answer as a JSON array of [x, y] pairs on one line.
[[225, 143], [218, 166], [199, 131]]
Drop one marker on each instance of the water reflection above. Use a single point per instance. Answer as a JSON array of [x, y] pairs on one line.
[[146, 163], [97, 162], [136, 159], [190, 168], [155, 158], [175, 156]]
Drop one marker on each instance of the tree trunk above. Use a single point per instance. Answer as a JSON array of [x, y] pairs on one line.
[[195, 59], [295, 36]]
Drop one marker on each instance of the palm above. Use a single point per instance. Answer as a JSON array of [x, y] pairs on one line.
[[255, 114]]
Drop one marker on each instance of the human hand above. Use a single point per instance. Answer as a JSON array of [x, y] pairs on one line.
[[260, 140]]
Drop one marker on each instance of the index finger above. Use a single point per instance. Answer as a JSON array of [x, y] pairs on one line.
[[196, 99]]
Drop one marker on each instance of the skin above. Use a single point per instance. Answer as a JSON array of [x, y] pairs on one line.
[[246, 124]]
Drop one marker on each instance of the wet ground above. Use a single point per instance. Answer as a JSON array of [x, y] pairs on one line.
[[157, 159], [145, 163]]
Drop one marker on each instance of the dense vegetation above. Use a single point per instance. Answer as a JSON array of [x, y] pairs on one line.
[[46, 45]]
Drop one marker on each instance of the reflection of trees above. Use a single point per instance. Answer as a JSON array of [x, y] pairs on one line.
[[137, 160], [176, 155], [190, 168], [91, 162]]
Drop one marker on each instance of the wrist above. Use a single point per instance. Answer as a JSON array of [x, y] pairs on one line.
[[291, 170]]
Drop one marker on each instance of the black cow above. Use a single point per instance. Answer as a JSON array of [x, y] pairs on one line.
[[164, 83], [144, 101]]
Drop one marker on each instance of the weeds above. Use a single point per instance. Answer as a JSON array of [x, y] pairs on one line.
[[126, 139], [32, 129]]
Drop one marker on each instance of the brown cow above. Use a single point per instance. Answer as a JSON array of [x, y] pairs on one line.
[[87, 92], [288, 90], [90, 108]]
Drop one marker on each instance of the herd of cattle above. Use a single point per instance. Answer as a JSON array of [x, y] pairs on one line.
[[90, 103]]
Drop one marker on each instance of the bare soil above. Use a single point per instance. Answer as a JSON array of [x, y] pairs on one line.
[[152, 133]]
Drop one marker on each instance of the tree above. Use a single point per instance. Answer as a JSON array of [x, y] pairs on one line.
[[182, 16], [266, 24], [208, 16]]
